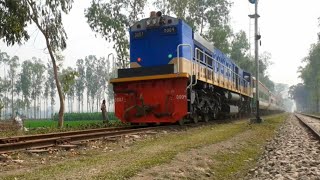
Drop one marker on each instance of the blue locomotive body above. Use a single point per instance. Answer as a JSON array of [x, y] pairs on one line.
[[157, 46]]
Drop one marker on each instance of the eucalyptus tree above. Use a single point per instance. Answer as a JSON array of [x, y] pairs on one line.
[[12, 73], [37, 76], [47, 16], [4, 59], [92, 80], [1, 96], [68, 80], [18, 87], [80, 83], [13, 21], [103, 77], [111, 19], [25, 81], [300, 95], [52, 87], [46, 95], [311, 76]]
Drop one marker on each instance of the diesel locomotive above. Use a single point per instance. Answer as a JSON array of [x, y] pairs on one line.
[[177, 75]]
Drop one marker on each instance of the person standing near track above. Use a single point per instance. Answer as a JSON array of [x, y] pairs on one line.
[[104, 111]]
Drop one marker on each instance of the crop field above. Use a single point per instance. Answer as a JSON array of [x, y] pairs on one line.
[[52, 124], [71, 120]]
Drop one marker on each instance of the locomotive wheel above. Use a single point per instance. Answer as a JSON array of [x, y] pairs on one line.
[[215, 113], [205, 117], [195, 118], [181, 122]]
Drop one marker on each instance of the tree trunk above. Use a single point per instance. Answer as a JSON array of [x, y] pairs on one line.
[[82, 104], [79, 103], [60, 93], [35, 108], [12, 109]]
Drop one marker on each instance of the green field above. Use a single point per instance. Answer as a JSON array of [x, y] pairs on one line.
[[53, 124], [72, 120]]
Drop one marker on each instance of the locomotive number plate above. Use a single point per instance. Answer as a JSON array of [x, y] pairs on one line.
[[169, 30], [138, 35]]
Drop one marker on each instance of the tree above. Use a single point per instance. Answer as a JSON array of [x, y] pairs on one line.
[[1, 102], [47, 15], [311, 75], [92, 80], [4, 59], [239, 50], [67, 78], [300, 95], [52, 85], [25, 82], [80, 83], [13, 65], [111, 19], [46, 95], [38, 69], [13, 21]]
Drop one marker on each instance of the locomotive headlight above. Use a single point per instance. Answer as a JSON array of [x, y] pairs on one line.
[[154, 21], [148, 22]]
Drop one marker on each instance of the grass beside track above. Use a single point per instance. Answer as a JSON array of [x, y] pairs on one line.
[[156, 151], [49, 126], [237, 162]]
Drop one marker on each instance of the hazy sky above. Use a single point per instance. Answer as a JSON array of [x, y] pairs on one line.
[[288, 27]]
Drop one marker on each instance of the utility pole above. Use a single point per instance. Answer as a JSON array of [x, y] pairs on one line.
[[256, 54]]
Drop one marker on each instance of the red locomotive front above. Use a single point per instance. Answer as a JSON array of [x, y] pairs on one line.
[[151, 99]]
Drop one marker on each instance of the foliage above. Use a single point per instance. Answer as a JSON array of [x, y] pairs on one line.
[[209, 18], [47, 15], [67, 79], [111, 19], [300, 95], [307, 95], [85, 116], [13, 65], [240, 54], [80, 83], [52, 124], [13, 21]]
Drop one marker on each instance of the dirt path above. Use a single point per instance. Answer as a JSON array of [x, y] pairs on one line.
[[193, 164]]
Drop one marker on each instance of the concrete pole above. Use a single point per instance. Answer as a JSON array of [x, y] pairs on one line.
[[258, 119]]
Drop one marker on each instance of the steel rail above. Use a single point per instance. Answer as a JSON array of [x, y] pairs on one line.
[[57, 134], [310, 115], [69, 139], [310, 127]]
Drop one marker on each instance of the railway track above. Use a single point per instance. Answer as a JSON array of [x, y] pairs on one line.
[[32, 142], [311, 122]]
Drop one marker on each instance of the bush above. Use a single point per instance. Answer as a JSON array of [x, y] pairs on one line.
[[84, 116]]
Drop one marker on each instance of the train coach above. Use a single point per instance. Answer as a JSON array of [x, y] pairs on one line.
[[176, 75]]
